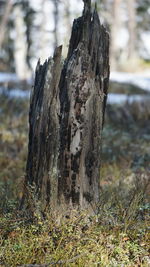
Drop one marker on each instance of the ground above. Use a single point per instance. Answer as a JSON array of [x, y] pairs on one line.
[[118, 235]]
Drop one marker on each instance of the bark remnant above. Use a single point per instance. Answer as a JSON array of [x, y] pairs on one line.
[[42, 169]]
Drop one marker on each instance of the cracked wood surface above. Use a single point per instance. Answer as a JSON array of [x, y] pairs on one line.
[[66, 118], [83, 92]]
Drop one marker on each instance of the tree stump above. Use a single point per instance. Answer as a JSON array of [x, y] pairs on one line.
[[66, 117]]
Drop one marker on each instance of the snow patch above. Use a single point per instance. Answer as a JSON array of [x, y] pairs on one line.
[[139, 80], [122, 98], [15, 93], [8, 77]]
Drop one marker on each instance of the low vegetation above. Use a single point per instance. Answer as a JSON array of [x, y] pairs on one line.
[[118, 235]]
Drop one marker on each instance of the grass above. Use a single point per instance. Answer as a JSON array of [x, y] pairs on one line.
[[118, 236], [13, 147]]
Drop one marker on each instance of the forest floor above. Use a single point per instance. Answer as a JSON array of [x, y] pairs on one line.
[[119, 235]]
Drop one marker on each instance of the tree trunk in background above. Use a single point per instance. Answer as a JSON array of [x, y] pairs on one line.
[[43, 43], [20, 46], [9, 4], [67, 19], [56, 17], [131, 4], [67, 16], [66, 117], [115, 25]]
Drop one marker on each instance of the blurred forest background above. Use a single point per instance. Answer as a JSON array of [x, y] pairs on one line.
[[31, 29]]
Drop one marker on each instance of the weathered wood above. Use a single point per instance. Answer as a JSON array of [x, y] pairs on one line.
[[83, 91], [42, 171], [66, 120]]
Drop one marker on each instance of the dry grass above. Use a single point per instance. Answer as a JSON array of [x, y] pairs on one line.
[[117, 237]]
